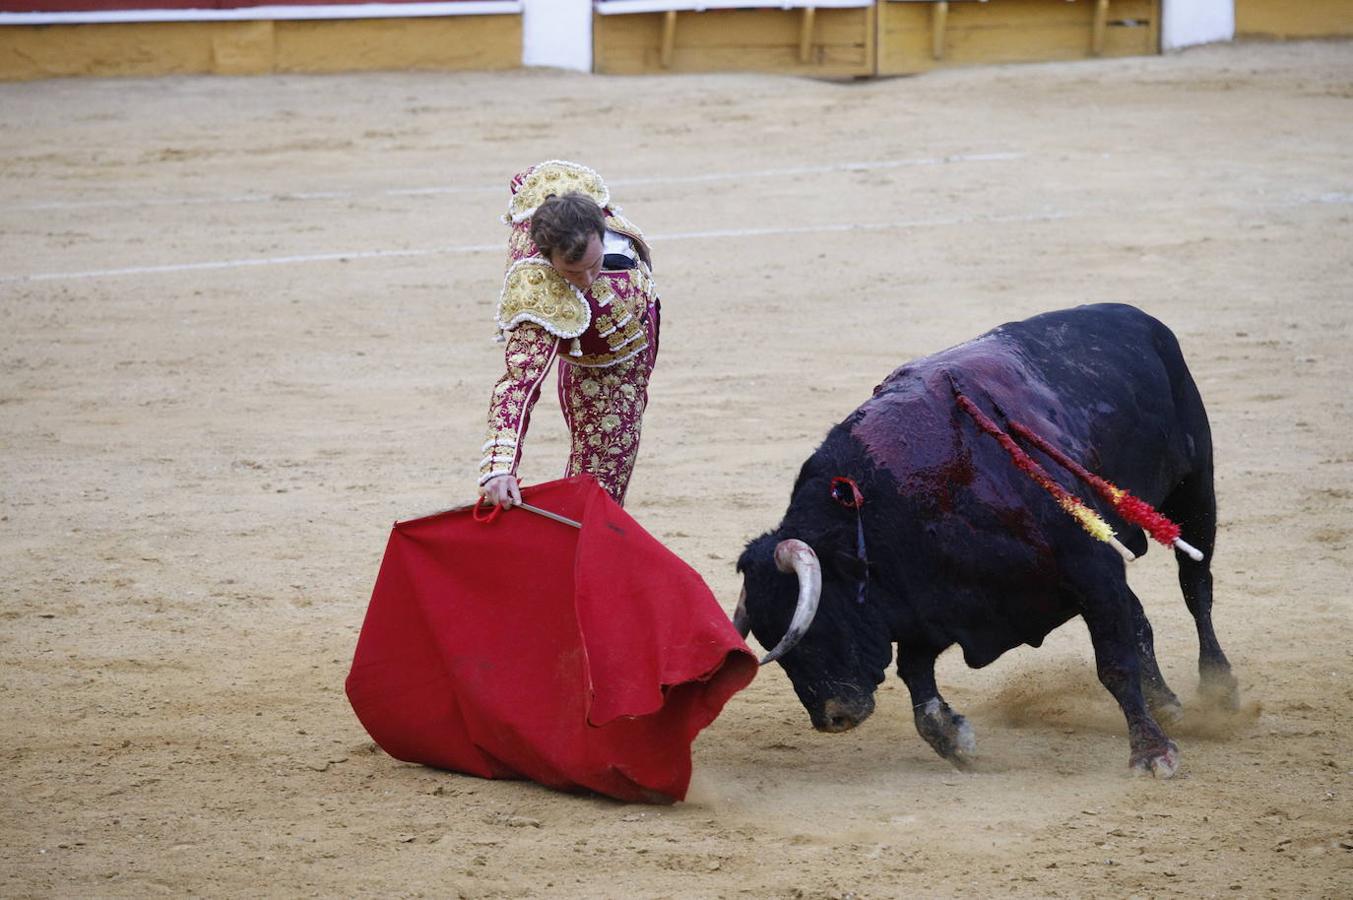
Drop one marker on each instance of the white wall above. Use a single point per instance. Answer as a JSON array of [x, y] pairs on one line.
[[1188, 22], [557, 33]]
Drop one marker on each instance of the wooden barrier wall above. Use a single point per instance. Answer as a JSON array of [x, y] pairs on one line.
[[891, 38], [915, 37], [260, 47], [1294, 18], [827, 42]]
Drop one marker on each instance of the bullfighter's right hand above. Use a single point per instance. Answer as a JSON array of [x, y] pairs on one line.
[[501, 491]]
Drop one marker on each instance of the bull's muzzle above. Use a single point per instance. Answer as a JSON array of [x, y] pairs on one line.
[[839, 715]]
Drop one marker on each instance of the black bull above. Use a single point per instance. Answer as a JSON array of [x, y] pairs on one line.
[[955, 545]]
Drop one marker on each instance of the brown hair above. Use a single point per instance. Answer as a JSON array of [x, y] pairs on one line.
[[565, 224]]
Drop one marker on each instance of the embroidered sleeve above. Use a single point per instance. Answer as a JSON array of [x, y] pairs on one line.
[[530, 353]]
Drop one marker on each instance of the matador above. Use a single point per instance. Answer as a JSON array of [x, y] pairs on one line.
[[578, 289]]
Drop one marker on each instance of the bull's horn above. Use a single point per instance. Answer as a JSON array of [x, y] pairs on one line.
[[797, 557], [740, 620]]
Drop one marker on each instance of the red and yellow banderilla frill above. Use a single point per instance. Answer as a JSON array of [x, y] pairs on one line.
[[1132, 509]]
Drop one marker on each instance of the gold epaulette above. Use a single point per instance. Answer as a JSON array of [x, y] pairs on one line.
[[555, 177], [534, 292]]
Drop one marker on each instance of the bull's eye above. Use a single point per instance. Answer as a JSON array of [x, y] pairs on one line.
[[846, 492]]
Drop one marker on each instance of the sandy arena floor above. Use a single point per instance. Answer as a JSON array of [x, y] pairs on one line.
[[244, 326]]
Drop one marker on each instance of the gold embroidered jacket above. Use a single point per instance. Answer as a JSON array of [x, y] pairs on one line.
[[542, 317]]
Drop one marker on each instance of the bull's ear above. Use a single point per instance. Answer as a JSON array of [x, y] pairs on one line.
[[848, 565]]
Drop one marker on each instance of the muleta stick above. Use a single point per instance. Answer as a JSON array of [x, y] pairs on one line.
[[1086, 517], [1133, 509]]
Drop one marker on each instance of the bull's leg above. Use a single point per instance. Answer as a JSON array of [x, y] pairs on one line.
[[1160, 699], [1108, 615], [943, 729], [1193, 505]]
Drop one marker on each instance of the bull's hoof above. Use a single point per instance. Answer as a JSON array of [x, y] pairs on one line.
[[1167, 712], [1159, 762], [1219, 689], [947, 732]]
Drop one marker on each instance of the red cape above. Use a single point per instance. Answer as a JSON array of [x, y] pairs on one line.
[[523, 648]]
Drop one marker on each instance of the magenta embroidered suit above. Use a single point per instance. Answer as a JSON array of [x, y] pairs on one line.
[[605, 338]]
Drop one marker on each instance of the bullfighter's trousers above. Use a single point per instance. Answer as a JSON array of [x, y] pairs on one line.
[[604, 411]]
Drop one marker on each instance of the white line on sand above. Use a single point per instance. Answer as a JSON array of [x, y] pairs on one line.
[[440, 190], [485, 248], [1332, 197]]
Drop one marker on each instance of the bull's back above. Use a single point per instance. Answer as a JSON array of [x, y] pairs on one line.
[[1104, 383], [1128, 403]]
